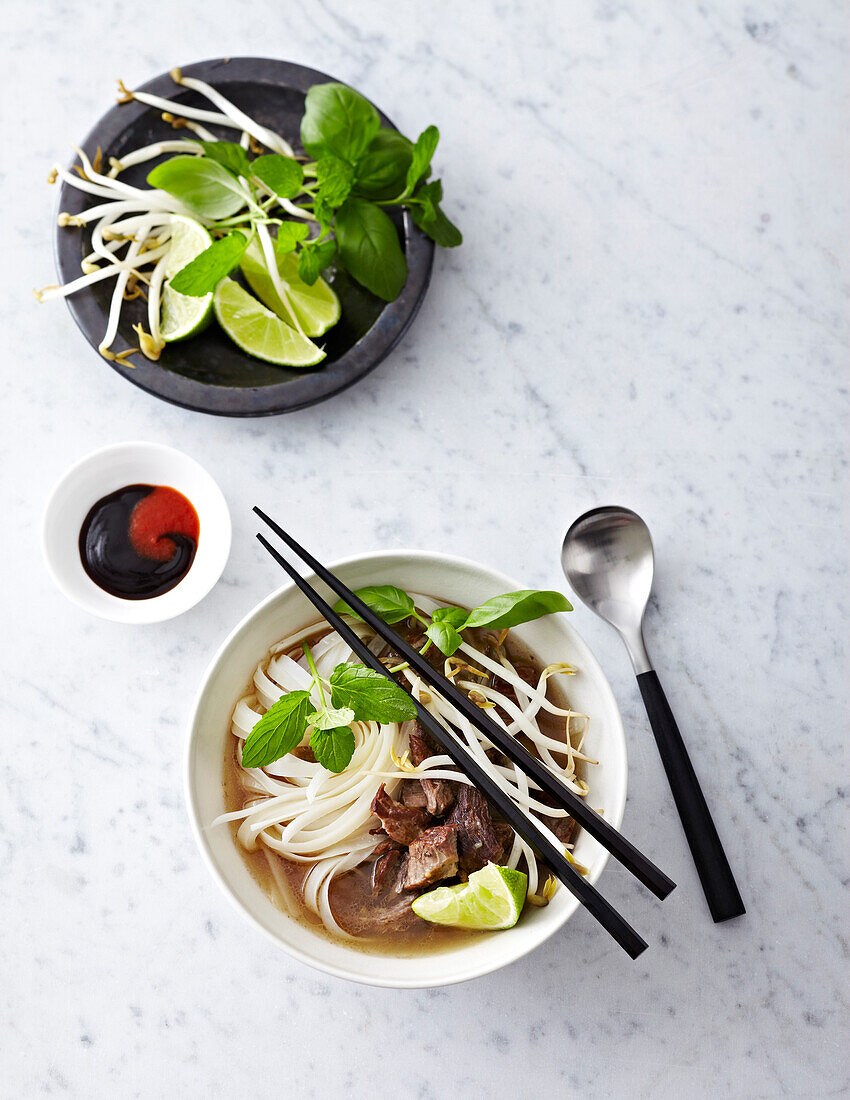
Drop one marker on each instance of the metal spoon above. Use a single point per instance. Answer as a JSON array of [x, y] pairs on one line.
[[607, 557]]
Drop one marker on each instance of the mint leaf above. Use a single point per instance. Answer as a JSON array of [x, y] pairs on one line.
[[201, 184], [203, 274], [288, 236], [428, 215], [338, 120], [278, 731], [335, 178], [326, 718], [423, 151], [371, 696], [382, 170], [388, 602], [333, 748], [314, 258], [282, 175], [369, 248], [445, 637], [514, 608], [229, 155]]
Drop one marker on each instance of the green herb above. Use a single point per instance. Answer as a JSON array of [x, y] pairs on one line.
[[289, 234], [371, 696], [335, 178], [382, 170], [423, 151], [428, 215], [444, 627], [369, 248], [517, 607], [314, 258], [283, 176], [203, 274], [357, 693], [339, 121], [333, 748], [229, 155], [201, 184], [388, 602], [278, 732]]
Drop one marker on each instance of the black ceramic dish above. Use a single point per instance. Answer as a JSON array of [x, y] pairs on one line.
[[208, 372]]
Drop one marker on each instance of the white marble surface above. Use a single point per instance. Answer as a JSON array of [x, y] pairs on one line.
[[649, 308]]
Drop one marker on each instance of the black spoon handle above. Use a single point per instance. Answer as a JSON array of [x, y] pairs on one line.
[[718, 883]]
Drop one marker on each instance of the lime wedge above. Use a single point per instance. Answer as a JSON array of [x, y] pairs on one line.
[[259, 331], [316, 306], [491, 900], [180, 315]]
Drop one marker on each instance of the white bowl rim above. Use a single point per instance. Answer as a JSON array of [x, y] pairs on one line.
[[140, 612], [464, 974]]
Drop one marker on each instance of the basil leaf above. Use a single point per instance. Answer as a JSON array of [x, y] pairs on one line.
[[382, 170], [517, 607], [369, 248], [229, 155], [314, 258], [201, 184], [282, 175], [335, 178], [427, 214], [288, 236], [444, 636], [423, 151], [278, 731], [388, 602], [371, 696], [203, 274], [333, 748], [327, 718], [454, 616], [338, 120]]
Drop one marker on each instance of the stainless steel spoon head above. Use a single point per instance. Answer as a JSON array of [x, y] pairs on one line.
[[608, 559]]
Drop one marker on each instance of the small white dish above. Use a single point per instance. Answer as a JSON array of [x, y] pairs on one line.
[[103, 472], [460, 582]]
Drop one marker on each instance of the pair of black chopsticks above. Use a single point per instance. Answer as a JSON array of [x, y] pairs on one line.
[[633, 860]]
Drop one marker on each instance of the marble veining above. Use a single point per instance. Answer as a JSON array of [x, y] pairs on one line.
[[649, 308]]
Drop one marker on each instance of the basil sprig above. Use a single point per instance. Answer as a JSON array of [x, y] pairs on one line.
[[357, 694], [359, 171], [444, 627]]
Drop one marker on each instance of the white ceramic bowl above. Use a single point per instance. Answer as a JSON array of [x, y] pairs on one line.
[[103, 472], [458, 582]]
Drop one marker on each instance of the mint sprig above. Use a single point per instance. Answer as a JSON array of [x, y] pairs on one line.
[[356, 693]]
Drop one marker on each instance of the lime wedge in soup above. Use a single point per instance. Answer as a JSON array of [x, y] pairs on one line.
[[491, 900], [179, 314], [316, 307], [260, 332]]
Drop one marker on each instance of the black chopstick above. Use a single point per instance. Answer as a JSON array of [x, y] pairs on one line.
[[620, 848], [589, 897]]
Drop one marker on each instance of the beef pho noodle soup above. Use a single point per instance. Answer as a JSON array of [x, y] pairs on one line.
[[348, 852]]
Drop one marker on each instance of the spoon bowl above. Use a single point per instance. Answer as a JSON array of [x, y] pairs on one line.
[[608, 559]]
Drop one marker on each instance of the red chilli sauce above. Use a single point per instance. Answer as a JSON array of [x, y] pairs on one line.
[[139, 541]]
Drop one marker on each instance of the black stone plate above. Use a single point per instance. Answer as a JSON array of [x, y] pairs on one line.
[[208, 372]]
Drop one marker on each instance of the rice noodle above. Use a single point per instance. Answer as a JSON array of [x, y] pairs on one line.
[[297, 809]]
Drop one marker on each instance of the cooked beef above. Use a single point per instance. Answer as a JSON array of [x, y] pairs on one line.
[[478, 840], [433, 856], [439, 793], [563, 827], [386, 845], [412, 794], [505, 834], [400, 822], [386, 864]]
